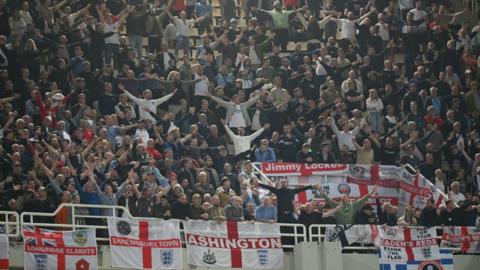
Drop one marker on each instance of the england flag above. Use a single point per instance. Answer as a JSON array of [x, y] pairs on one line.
[[145, 244], [234, 244], [4, 261]]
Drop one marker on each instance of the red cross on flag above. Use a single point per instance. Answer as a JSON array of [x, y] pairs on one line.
[[234, 244], [4, 261], [145, 244], [407, 244], [467, 239], [46, 249]]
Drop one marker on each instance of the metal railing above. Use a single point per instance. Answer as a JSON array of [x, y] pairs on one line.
[[291, 233], [317, 233], [10, 223]]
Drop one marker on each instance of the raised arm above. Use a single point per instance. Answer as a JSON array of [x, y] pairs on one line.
[[133, 98], [229, 131], [164, 98], [220, 101], [251, 101], [257, 133], [333, 125]]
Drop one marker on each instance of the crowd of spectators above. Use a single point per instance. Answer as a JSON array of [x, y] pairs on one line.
[[162, 106]]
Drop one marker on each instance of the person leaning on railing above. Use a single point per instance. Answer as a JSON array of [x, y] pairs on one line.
[[345, 215]]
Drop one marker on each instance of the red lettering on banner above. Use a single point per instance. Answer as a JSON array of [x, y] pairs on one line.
[[69, 251], [128, 242], [146, 251], [235, 253], [415, 190], [243, 243], [299, 168], [407, 236]]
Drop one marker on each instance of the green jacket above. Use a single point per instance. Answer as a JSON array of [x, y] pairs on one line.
[[345, 215]]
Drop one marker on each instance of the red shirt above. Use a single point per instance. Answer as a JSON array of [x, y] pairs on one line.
[[178, 5]]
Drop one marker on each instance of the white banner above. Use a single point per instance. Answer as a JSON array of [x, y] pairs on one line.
[[444, 263], [398, 244], [152, 244], [61, 250], [234, 244], [338, 179], [467, 239], [349, 234], [4, 252], [415, 190], [396, 185]]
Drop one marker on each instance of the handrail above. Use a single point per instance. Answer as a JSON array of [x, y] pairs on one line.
[[260, 172], [295, 232], [11, 228]]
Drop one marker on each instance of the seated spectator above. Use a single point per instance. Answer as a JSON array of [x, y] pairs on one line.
[[408, 219], [387, 214], [216, 211], [366, 216], [181, 208], [266, 212], [454, 194], [265, 153], [196, 209], [234, 211]]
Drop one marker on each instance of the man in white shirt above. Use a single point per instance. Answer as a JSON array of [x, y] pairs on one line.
[[201, 87], [142, 132], [345, 136], [348, 29], [147, 105], [454, 194], [183, 28], [242, 142], [352, 76]]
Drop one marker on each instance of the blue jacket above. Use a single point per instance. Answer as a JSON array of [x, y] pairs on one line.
[[87, 197], [265, 156]]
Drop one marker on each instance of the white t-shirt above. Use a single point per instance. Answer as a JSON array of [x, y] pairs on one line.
[[405, 4], [456, 197], [383, 31], [113, 39], [183, 26], [418, 14], [237, 119], [143, 134], [201, 87], [348, 29]]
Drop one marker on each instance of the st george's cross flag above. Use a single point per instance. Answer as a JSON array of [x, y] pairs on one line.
[[145, 244], [234, 244], [398, 244], [61, 250], [467, 239], [4, 255]]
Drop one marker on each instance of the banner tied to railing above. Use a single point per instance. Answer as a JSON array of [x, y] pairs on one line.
[[396, 184], [467, 239], [410, 248], [61, 250], [4, 252], [145, 244], [234, 244]]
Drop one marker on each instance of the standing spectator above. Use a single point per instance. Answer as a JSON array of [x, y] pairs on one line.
[[285, 205], [428, 217]]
